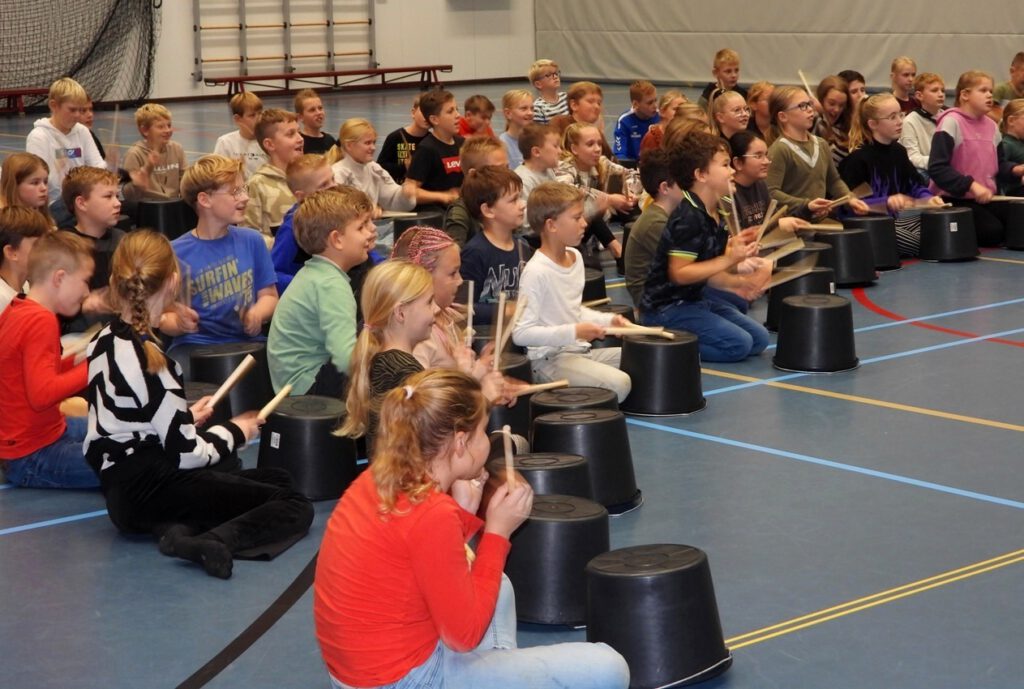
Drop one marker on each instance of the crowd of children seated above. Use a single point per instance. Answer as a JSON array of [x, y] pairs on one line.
[[284, 251]]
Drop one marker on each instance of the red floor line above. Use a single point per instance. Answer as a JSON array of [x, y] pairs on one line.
[[864, 300]]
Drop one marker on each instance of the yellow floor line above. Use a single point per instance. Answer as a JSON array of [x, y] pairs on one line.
[[887, 596], [950, 416], [1001, 260]]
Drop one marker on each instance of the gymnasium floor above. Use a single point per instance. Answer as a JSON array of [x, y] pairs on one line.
[[859, 526]]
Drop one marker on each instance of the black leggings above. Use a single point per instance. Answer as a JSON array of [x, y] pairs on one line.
[[247, 510]]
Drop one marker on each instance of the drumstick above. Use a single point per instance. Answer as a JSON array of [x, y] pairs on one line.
[[1011, 199], [840, 201], [497, 330], [723, 208], [769, 217], [807, 87], [270, 406], [114, 155], [597, 302], [786, 274], [924, 203], [784, 251], [776, 238], [639, 330], [247, 363], [517, 313], [862, 190], [510, 478], [824, 227], [540, 387], [83, 340], [186, 285], [469, 315]]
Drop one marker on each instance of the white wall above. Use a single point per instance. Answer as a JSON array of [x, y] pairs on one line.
[[482, 39]]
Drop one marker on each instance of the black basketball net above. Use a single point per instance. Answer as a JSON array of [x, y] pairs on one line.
[[108, 46]]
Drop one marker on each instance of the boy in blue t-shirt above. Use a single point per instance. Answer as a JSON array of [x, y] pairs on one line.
[[633, 124], [494, 258], [231, 279], [695, 251]]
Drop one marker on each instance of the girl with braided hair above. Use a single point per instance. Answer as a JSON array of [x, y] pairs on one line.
[[148, 447]]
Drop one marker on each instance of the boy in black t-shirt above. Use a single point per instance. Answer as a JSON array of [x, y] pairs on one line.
[[396, 152], [435, 174]]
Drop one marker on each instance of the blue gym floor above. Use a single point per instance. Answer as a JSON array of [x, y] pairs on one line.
[[859, 526]]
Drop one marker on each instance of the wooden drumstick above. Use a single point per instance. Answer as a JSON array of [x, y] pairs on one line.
[[469, 315], [82, 343], [842, 200], [597, 302], [807, 87], [510, 467], [639, 330], [247, 363], [497, 330], [769, 216], [517, 313], [784, 251], [541, 387], [270, 406]]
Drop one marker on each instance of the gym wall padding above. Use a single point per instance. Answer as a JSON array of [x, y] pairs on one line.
[[673, 41]]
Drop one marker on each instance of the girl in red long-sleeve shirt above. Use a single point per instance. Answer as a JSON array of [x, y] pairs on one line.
[[399, 598]]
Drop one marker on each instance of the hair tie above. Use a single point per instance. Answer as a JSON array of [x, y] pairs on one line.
[[408, 392]]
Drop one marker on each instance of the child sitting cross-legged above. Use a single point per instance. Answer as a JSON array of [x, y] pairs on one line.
[[438, 613], [695, 251], [554, 326]]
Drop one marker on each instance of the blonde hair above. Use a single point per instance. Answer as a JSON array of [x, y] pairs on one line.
[[758, 89], [717, 107], [80, 181], [208, 174], [1015, 108], [726, 56], [67, 89], [388, 285], [668, 96], [512, 98], [549, 200], [299, 102], [868, 109], [476, 149], [55, 251], [351, 130], [297, 171], [778, 103], [245, 101], [141, 266], [325, 211], [422, 418], [969, 80], [149, 113], [16, 169], [902, 61], [539, 66], [572, 136]]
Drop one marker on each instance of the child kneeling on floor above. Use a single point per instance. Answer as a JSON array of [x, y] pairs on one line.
[[146, 445], [399, 597], [555, 327]]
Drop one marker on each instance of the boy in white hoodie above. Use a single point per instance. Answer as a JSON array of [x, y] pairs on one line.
[[62, 142]]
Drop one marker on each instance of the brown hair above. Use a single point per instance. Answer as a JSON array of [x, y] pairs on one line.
[[486, 185], [57, 251], [654, 169], [679, 129], [922, 80], [478, 103], [268, 121], [842, 125], [758, 89], [694, 153], [148, 113], [639, 89], [142, 264], [306, 163], [549, 200], [299, 102], [432, 102], [580, 90], [778, 103], [16, 169], [208, 174], [388, 285], [422, 417], [325, 211], [244, 101], [534, 135], [18, 223], [80, 181]]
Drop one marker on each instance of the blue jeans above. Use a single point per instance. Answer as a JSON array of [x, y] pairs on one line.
[[497, 662], [61, 464], [723, 333]]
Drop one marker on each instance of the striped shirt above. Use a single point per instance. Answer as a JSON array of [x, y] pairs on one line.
[[543, 110]]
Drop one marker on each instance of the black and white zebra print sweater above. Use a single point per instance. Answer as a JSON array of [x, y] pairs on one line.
[[129, 408]]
